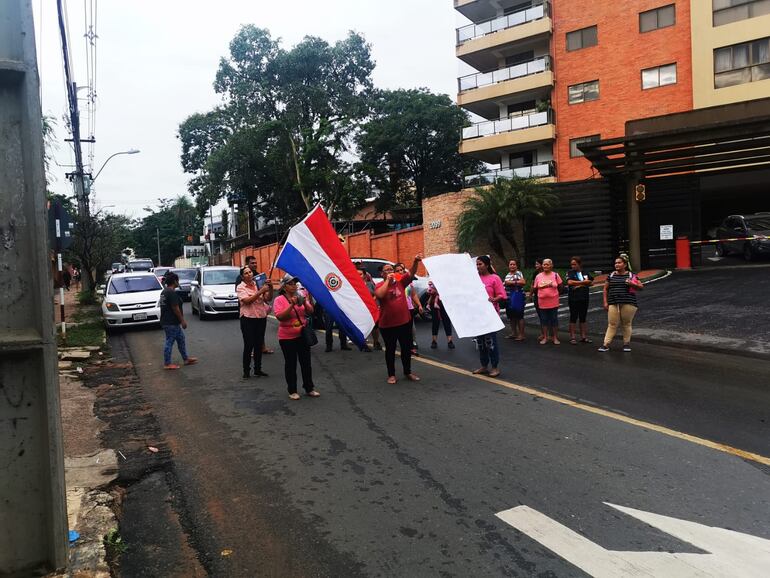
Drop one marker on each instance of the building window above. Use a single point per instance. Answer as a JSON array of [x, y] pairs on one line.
[[574, 151], [582, 38], [658, 18], [658, 76], [583, 92], [727, 11], [742, 63]]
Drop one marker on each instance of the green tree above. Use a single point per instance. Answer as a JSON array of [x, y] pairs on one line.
[[278, 142], [409, 148], [171, 223], [97, 242], [495, 213]]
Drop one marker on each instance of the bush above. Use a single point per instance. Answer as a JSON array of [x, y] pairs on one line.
[[86, 297]]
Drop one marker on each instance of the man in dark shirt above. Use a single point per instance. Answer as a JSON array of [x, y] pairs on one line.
[[173, 323]]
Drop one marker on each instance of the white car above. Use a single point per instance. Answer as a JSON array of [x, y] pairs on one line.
[[213, 291], [131, 299]]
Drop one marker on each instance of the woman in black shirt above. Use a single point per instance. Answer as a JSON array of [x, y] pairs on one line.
[[620, 302]]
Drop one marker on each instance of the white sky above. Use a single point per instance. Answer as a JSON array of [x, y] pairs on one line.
[[156, 61]]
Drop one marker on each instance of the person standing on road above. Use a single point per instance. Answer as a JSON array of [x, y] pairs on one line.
[[412, 303], [395, 319], [487, 344], [620, 302], [292, 309], [329, 324], [535, 301], [578, 284], [251, 262], [514, 309], [253, 316], [438, 315], [173, 323], [367, 279], [546, 285]]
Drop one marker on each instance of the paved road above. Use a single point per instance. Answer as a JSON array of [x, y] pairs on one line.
[[406, 480]]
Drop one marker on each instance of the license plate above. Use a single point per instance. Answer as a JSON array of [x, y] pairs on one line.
[[231, 304], [139, 316]]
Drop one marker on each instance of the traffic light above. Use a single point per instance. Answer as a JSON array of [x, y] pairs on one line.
[[640, 193]]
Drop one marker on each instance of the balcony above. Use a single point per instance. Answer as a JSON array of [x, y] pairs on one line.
[[535, 66], [504, 125], [486, 140], [540, 171], [474, 41]]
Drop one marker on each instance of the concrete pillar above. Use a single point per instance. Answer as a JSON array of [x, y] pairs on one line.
[[33, 516]]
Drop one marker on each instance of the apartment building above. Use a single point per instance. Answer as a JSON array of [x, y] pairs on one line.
[[551, 75]]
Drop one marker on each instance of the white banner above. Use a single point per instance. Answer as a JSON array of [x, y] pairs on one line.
[[463, 294]]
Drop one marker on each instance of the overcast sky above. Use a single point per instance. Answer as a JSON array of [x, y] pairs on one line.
[[156, 62]]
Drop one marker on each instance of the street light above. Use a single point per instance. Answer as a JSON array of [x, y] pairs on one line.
[[128, 152]]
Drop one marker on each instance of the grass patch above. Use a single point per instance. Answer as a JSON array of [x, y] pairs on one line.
[[114, 544], [89, 333], [86, 314], [86, 297]]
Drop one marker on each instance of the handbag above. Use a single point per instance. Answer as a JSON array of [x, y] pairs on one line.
[[307, 332], [516, 300]]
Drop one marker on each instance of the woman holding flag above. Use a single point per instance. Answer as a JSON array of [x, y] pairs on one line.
[[395, 319]]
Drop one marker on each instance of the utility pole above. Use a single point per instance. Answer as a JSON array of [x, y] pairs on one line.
[[157, 237], [78, 176], [33, 513]]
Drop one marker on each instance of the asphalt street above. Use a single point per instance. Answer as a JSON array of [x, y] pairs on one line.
[[406, 480]]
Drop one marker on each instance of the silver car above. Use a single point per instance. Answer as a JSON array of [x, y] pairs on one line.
[[213, 291]]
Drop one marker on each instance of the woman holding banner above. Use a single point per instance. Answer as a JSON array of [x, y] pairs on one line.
[[395, 319], [487, 344]]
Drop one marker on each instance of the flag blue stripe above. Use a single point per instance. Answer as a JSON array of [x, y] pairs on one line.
[[292, 261]]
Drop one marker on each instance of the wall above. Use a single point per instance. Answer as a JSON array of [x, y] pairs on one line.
[[705, 39], [617, 60]]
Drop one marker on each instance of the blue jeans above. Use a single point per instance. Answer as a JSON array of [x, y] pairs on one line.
[[174, 333], [488, 351]]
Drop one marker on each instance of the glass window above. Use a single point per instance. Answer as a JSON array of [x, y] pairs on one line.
[[582, 38], [220, 277], [574, 151], [658, 76], [727, 11], [657, 18], [742, 63], [134, 284], [583, 92]]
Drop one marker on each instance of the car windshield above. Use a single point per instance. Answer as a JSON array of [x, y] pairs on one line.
[[759, 223], [140, 265], [134, 284], [186, 274], [220, 277]]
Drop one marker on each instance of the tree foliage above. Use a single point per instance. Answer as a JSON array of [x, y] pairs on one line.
[[97, 242], [409, 147], [172, 223], [279, 139], [494, 213]]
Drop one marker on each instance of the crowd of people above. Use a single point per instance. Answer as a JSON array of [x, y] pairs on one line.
[[399, 305]]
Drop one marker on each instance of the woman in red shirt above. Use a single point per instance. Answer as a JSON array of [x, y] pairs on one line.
[[546, 285], [395, 319], [292, 310]]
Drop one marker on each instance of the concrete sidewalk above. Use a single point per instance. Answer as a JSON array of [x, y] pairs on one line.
[[705, 309]]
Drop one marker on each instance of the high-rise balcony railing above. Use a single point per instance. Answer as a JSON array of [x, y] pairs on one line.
[[479, 79], [517, 18], [541, 170], [513, 122]]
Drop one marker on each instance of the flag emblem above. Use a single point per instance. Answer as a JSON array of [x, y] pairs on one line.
[[333, 282]]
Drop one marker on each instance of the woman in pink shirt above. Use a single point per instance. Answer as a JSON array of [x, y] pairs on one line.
[[547, 285], [254, 308], [292, 309], [488, 351]]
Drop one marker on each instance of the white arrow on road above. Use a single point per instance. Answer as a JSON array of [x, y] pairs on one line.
[[728, 553]]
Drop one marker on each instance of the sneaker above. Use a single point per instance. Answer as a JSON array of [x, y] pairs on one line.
[[451, 345], [433, 345], [627, 348], [246, 375], [191, 361], [260, 373], [344, 348], [603, 348], [171, 366]]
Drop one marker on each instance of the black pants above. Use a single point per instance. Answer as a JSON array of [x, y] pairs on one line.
[[440, 316], [329, 324], [403, 335], [253, 331], [293, 350], [578, 310]]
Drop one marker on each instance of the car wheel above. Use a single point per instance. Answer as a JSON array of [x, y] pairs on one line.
[[748, 254], [721, 251], [202, 314]]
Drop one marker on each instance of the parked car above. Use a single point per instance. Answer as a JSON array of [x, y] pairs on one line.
[[213, 291], [186, 277], [160, 272], [744, 227], [131, 299], [118, 267], [140, 265], [374, 265]]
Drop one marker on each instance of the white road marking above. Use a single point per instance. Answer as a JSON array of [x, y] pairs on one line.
[[728, 553]]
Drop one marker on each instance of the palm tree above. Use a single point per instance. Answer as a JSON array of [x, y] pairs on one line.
[[495, 212]]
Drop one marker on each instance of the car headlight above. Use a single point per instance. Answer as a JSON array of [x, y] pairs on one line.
[[207, 293], [111, 306]]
